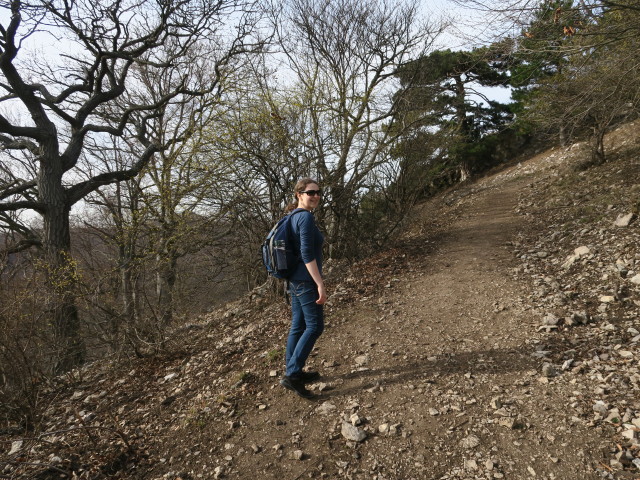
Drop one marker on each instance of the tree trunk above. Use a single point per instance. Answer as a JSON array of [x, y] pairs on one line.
[[129, 298], [597, 146], [61, 274], [562, 136], [460, 107], [341, 240], [464, 169], [165, 283]]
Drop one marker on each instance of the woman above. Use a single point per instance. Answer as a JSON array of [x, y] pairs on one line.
[[306, 287]]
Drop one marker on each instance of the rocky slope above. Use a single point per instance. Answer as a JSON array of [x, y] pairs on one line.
[[498, 339]]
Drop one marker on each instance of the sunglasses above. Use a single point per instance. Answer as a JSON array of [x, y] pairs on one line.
[[313, 193]]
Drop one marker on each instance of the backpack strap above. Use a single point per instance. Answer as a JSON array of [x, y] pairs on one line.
[[286, 292], [292, 213]]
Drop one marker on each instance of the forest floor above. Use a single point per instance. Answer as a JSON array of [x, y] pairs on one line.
[[483, 345]]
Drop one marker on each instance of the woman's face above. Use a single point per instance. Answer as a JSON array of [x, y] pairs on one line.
[[307, 201]]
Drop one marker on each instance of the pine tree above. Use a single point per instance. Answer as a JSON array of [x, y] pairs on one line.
[[440, 94]]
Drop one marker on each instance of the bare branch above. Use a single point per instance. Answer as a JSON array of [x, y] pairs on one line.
[[23, 205], [16, 189], [17, 131], [79, 191], [8, 143], [22, 245]]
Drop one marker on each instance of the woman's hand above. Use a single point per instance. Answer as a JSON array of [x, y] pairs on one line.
[[312, 267], [322, 295]]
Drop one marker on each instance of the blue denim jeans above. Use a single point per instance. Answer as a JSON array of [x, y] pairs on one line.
[[307, 324]]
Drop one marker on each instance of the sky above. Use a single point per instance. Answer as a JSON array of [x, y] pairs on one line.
[[467, 28], [465, 31]]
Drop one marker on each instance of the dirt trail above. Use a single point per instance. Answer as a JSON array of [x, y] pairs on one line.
[[440, 370]]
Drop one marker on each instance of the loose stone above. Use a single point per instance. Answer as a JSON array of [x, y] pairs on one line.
[[352, 433], [470, 442]]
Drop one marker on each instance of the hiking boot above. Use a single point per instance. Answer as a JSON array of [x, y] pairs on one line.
[[308, 377], [296, 385]]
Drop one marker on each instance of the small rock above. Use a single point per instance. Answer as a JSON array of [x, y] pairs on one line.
[[15, 447], [580, 317], [297, 455], [629, 434], [78, 394], [616, 465], [570, 261], [624, 220], [355, 419], [550, 320], [548, 370], [326, 408], [635, 279], [601, 407], [471, 465], [353, 433], [510, 423], [613, 416], [607, 299], [582, 251], [470, 442], [361, 360]]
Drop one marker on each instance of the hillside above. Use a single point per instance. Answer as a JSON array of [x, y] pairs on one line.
[[498, 339]]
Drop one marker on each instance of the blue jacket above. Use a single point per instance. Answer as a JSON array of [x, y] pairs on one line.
[[308, 245]]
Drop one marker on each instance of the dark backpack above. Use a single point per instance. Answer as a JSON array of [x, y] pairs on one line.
[[278, 254]]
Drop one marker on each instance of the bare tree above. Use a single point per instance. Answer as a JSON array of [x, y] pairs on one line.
[[176, 184], [81, 97], [590, 98], [114, 220], [343, 56]]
